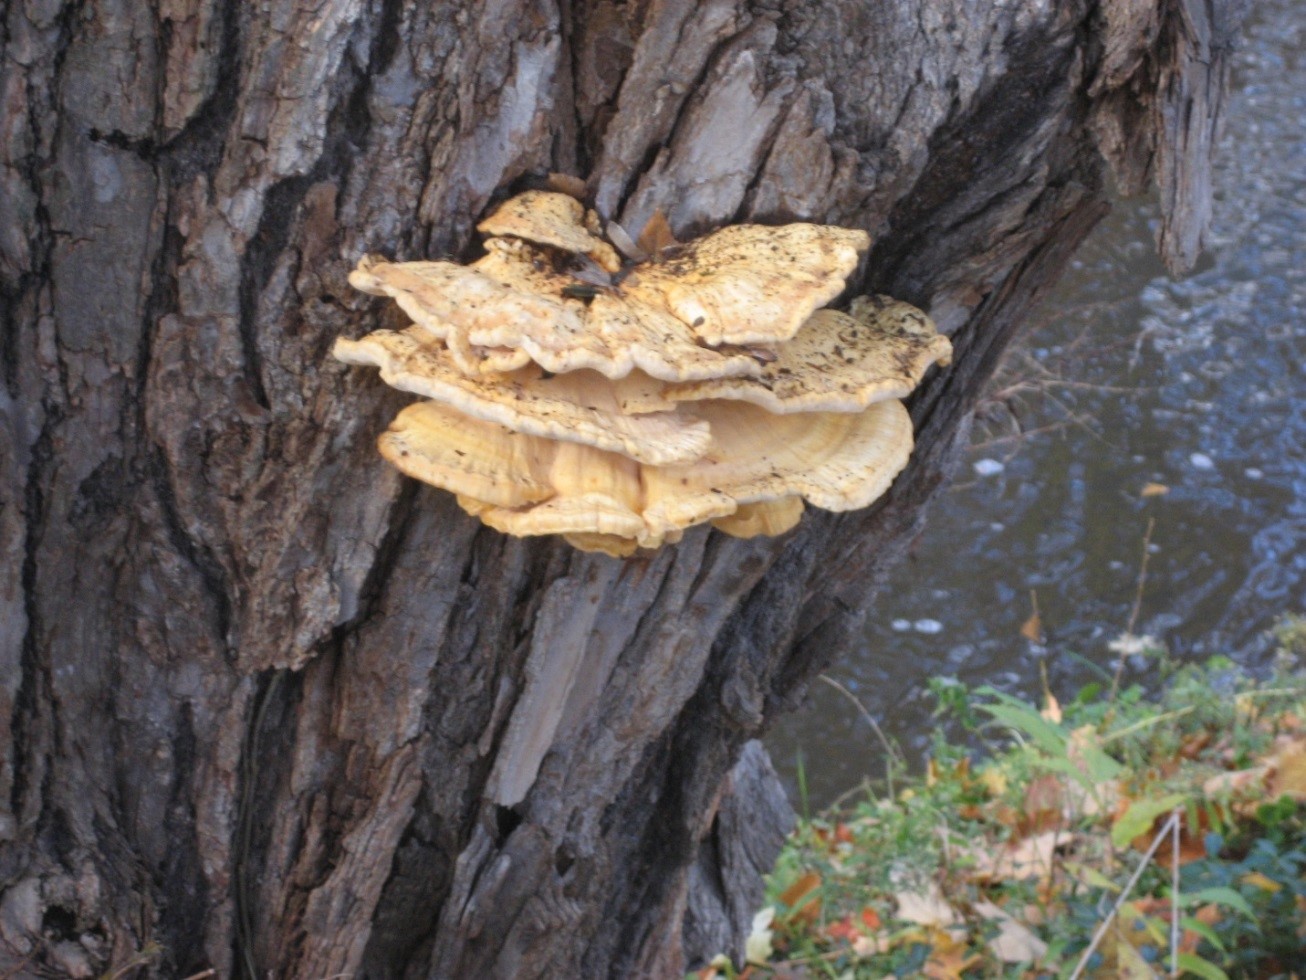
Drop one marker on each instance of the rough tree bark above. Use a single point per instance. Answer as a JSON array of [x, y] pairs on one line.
[[275, 711]]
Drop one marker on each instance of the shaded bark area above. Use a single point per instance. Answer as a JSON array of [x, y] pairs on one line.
[[274, 710]]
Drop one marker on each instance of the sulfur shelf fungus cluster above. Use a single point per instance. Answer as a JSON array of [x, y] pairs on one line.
[[617, 403]]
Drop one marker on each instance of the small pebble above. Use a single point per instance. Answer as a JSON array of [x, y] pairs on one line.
[[960, 654], [1201, 461], [901, 625], [928, 626], [988, 467]]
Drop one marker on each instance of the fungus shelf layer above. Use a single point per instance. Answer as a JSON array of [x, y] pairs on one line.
[[618, 404]]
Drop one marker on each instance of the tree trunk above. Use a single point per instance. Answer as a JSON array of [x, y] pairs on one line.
[[276, 711]]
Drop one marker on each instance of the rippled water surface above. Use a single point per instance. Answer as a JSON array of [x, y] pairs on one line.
[[1131, 379]]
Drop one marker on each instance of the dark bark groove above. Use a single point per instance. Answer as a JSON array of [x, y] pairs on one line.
[[275, 711]]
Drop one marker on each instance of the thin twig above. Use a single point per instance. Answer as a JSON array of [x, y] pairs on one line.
[[1124, 894], [136, 962], [1145, 723], [879, 733], [1174, 900], [1137, 607], [1142, 576], [17, 970]]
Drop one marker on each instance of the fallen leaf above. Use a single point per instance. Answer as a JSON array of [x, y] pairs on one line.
[[1051, 708], [758, 947], [870, 946], [870, 918], [656, 235], [1014, 943], [1289, 764], [926, 909], [950, 958], [799, 899], [719, 966], [1154, 490], [1194, 744], [1243, 782], [1032, 629], [1199, 927], [1043, 804], [842, 930], [1027, 857], [994, 781]]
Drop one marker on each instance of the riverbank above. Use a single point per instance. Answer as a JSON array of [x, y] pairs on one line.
[[1007, 854]]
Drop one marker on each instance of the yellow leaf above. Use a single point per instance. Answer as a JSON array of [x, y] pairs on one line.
[[1154, 490], [994, 780], [1051, 708], [1130, 964], [1289, 771], [950, 959], [1258, 880]]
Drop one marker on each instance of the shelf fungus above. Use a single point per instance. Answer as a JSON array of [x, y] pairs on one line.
[[619, 403]]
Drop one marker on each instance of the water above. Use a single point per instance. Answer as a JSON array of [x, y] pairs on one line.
[[1137, 400]]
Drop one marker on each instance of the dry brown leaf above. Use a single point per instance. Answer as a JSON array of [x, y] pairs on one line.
[[1154, 490], [1029, 857], [1043, 805], [1237, 783], [1194, 744], [842, 930], [656, 235], [1032, 629], [1207, 915], [799, 900]]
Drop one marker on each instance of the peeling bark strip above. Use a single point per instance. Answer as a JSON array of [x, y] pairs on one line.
[[273, 710]]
